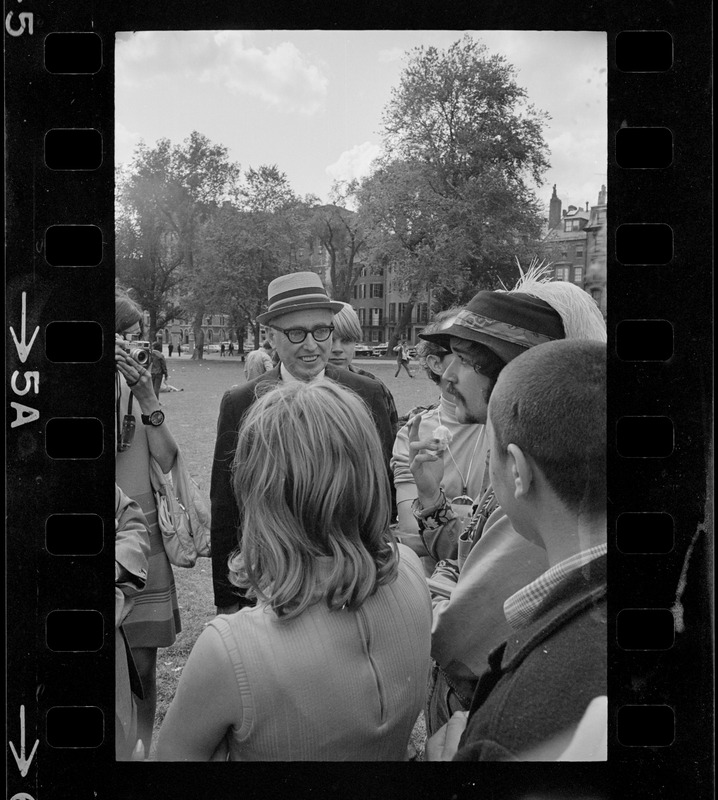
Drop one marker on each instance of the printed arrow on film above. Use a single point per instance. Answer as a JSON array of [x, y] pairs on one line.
[[23, 348], [23, 764]]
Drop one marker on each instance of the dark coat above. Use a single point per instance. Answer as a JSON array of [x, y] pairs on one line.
[[225, 514], [388, 397], [540, 682]]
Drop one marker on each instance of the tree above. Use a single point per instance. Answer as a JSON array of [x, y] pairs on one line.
[[248, 244], [451, 202], [167, 198], [148, 258], [341, 233]]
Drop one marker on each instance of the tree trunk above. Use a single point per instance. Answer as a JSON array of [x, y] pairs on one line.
[[403, 322], [198, 353], [153, 325]]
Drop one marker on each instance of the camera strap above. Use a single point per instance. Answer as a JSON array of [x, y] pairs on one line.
[[118, 393], [118, 403]]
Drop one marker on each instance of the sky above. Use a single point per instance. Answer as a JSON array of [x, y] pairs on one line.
[[311, 102]]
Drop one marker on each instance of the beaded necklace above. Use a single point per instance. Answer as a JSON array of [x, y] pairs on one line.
[[464, 481]]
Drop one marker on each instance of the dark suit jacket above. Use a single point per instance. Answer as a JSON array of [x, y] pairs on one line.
[[225, 514]]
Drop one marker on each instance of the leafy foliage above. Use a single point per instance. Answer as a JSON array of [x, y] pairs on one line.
[[451, 202], [165, 199], [341, 233]]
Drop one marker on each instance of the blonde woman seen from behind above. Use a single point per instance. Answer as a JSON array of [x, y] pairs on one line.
[[331, 664]]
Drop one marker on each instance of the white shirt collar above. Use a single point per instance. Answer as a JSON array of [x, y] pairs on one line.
[[286, 376]]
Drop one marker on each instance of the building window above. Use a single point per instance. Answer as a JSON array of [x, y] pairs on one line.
[[392, 312], [376, 290], [402, 308], [562, 273], [375, 319], [572, 225], [361, 313], [422, 313], [579, 252], [354, 292], [578, 275], [375, 334]]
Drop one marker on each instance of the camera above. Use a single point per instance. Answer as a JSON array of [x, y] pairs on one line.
[[139, 351]]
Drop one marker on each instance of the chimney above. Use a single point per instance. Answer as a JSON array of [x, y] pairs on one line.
[[602, 196], [554, 213], [586, 205]]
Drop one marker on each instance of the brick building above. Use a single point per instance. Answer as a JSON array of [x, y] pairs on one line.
[[379, 304], [576, 245]]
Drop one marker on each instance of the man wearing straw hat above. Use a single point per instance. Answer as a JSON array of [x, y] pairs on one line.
[[299, 321], [482, 563]]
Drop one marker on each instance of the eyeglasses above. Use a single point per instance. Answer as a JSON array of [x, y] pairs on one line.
[[298, 335]]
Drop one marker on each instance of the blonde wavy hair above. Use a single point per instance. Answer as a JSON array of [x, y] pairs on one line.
[[310, 481]]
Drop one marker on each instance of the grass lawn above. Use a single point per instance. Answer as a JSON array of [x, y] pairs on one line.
[[192, 417]]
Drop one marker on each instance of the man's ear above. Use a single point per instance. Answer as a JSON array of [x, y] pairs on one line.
[[522, 472], [434, 363]]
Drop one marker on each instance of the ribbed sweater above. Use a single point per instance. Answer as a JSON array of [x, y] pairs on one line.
[[331, 685]]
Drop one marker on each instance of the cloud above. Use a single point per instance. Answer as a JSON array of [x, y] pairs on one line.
[[281, 76], [125, 142], [354, 163], [390, 54]]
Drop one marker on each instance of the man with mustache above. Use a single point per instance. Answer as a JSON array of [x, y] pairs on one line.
[[485, 562]]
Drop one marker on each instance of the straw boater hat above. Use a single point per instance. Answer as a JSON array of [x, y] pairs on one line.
[[508, 323], [297, 291]]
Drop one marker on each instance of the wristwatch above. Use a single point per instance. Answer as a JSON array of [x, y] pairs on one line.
[[155, 419]]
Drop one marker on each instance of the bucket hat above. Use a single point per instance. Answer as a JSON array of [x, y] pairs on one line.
[[508, 323]]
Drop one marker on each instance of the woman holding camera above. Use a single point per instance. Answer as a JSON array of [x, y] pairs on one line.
[[141, 432], [331, 664]]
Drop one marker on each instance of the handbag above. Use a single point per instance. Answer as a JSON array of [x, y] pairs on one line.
[[182, 514]]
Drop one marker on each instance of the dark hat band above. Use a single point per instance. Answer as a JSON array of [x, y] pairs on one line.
[[500, 330], [315, 290]]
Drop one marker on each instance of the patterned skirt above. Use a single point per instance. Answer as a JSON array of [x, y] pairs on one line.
[[154, 620]]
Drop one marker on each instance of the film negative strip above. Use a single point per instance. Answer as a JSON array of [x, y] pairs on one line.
[[59, 83]]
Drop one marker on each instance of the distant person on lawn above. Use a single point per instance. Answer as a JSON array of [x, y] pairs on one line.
[[402, 358], [299, 320], [331, 663], [158, 367], [258, 361]]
